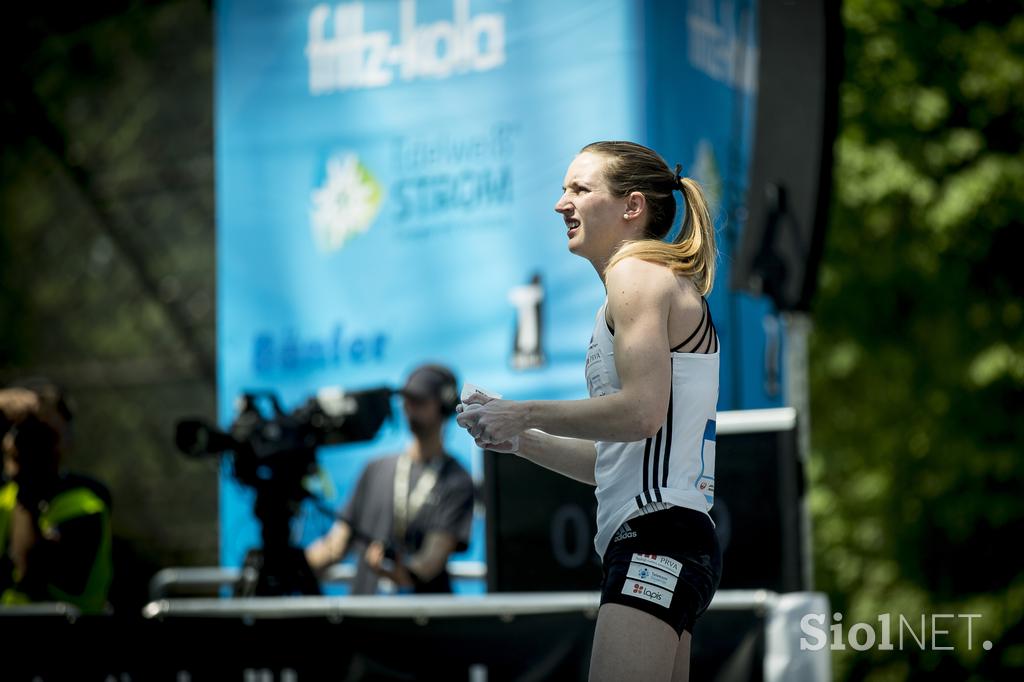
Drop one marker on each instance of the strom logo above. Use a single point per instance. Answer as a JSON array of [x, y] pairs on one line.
[[346, 204], [644, 573]]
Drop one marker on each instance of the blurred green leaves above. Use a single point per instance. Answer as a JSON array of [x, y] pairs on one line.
[[917, 364], [106, 253]]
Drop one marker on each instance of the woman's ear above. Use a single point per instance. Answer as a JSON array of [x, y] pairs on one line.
[[636, 204]]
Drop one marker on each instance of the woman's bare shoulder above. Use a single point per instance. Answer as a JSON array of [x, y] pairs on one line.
[[635, 272]]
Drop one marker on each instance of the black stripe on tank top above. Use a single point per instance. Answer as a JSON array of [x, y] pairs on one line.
[[654, 469], [714, 330], [647, 468], [707, 328], [700, 325], [668, 440], [711, 337]]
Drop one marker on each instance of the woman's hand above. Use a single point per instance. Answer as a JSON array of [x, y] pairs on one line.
[[494, 424]]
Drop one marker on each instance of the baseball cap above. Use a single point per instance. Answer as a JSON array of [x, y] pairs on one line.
[[431, 381]]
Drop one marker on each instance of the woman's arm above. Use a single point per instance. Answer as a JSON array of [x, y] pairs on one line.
[[638, 297], [572, 457]]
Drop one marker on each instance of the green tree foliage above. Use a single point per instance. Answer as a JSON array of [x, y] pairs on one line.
[[106, 253], [917, 360]]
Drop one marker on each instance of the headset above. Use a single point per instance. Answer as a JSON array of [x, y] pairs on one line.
[[448, 391]]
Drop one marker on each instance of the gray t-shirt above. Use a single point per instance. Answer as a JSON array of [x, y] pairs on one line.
[[371, 511]]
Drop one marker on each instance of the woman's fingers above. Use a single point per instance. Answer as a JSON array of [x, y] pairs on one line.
[[477, 398], [467, 419], [470, 422], [472, 417], [504, 446]]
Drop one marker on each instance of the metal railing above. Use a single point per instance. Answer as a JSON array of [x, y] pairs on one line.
[[208, 580]]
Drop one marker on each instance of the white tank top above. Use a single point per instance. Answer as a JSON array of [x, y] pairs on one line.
[[677, 465]]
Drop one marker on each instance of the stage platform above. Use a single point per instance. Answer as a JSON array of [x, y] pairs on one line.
[[746, 635]]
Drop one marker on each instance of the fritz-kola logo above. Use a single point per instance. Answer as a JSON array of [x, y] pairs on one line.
[[346, 204], [344, 56]]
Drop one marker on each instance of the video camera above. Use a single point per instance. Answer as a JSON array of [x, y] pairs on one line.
[[273, 454], [282, 446]]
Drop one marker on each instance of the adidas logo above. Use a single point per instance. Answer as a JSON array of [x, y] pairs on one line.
[[625, 532]]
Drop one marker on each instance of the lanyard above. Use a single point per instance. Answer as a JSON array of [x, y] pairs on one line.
[[407, 504]]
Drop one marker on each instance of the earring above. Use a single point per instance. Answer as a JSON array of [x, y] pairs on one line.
[[625, 216]]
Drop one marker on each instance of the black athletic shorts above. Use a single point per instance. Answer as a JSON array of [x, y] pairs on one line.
[[666, 563]]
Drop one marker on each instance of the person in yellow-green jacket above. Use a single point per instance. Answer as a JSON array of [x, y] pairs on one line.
[[55, 538]]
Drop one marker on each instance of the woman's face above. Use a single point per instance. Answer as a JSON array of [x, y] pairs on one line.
[[593, 216]]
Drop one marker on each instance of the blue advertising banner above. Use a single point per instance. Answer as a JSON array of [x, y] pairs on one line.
[[386, 176], [701, 92]]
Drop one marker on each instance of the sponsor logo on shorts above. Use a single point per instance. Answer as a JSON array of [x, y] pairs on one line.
[[625, 532], [659, 561], [655, 595], [651, 575]]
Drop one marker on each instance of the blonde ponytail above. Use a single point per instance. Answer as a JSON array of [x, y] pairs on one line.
[[693, 253]]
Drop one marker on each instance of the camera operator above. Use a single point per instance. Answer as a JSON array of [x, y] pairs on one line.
[[409, 512], [55, 542]]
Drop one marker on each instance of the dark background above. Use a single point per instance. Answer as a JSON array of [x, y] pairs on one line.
[[107, 252]]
